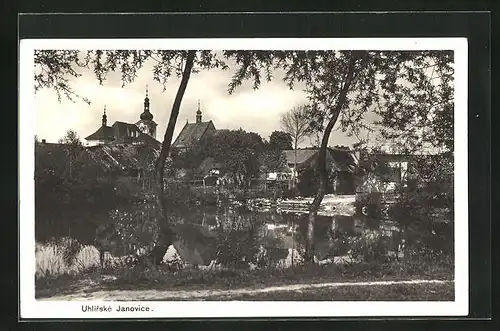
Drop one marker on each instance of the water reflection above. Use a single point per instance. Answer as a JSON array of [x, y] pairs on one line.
[[281, 234]]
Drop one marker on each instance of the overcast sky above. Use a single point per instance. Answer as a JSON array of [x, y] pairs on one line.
[[258, 111]]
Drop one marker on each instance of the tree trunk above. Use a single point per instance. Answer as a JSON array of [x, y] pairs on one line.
[[166, 234], [323, 174], [294, 184]]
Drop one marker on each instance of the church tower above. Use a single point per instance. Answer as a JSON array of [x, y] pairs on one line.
[[104, 117], [146, 123], [198, 113]]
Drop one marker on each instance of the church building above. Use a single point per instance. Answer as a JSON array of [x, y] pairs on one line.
[[141, 132], [192, 133]]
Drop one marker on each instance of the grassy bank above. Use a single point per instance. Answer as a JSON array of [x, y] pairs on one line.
[[194, 279], [397, 292]]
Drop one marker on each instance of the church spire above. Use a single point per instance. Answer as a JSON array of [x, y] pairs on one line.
[[104, 117], [146, 115], [198, 113]]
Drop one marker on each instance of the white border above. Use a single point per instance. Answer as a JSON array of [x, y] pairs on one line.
[[30, 308]]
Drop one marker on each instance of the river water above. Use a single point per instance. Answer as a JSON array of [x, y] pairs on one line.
[[282, 232]]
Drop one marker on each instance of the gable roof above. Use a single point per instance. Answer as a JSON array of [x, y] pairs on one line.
[[191, 133], [343, 160], [105, 133], [123, 156], [340, 159], [148, 140], [303, 155], [208, 164]]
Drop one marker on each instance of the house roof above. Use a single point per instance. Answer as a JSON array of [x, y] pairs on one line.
[[105, 133], [191, 133], [303, 155], [208, 164], [341, 160], [148, 140], [124, 156], [106, 157]]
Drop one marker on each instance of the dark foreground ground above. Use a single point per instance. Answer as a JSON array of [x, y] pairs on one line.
[[357, 282]]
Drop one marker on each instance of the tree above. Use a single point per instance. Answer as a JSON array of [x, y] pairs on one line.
[[272, 160], [238, 152], [296, 123], [280, 140], [68, 184], [74, 148]]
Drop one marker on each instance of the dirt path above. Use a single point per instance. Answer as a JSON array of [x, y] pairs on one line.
[[153, 295]]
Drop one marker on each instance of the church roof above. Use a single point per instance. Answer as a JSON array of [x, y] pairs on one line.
[[119, 129], [191, 133], [103, 133], [146, 115]]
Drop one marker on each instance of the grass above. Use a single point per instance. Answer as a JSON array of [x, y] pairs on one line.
[[398, 292], [58, 272], [161, 278]]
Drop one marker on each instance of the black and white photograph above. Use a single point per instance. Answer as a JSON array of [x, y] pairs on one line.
[[243, 177]]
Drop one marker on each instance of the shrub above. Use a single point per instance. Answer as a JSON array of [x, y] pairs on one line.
[[237, 241], [129, 231], [53, 259], [369, 248]]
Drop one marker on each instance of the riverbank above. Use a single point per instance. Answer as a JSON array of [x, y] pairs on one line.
[[410, 290], [423, 280]]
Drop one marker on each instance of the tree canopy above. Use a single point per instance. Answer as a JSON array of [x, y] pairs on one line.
[[238, 151], [280, 140]]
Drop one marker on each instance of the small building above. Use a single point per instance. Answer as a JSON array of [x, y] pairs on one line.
[[192, 133], [340, 161], [209, 167]]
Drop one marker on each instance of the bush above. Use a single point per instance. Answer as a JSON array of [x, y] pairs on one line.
[[369, 248], [55, 259], [129, 231], [237, 241], [415, 211]]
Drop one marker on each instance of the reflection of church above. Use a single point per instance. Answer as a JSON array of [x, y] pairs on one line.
[[142, 132]]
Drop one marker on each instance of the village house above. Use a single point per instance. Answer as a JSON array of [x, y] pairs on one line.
[[340, 161]]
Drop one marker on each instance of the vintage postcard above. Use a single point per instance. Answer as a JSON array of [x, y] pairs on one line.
[[185, 178]]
